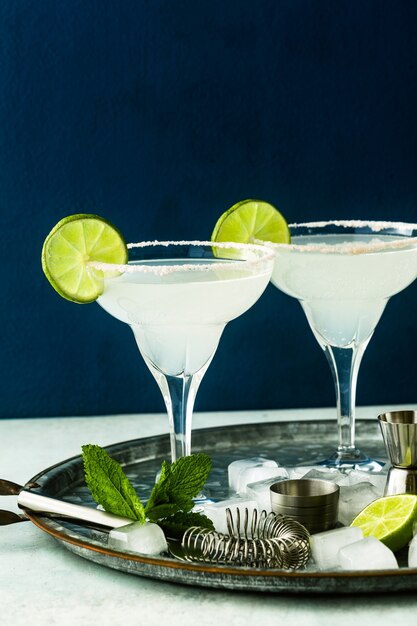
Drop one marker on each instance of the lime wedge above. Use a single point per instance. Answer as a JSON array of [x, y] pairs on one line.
[[389, 519], [251, 220], [68, 248]]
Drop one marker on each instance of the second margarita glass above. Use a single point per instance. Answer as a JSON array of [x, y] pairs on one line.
[[343, 274]]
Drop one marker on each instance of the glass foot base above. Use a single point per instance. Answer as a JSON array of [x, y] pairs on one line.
[[355, 460]]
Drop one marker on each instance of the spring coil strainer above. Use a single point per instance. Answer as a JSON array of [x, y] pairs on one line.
[[262, 540]]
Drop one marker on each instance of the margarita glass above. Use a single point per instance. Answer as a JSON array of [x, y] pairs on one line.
[[178, 297], [343, 274]]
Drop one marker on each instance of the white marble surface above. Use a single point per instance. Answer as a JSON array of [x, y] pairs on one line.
[[43, 584]]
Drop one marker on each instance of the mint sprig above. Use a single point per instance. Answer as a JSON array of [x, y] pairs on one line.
[[178, 485], [171, 498], [110, 486]]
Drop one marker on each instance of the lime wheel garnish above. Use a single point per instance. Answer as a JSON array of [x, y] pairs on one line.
[[71, 245]]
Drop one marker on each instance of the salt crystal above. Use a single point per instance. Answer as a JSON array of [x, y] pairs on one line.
[[145, 538], [326, 545], [236, 467], [261, 490], [367, 554]]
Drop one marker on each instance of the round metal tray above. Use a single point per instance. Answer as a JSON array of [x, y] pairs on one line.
[[289, 443]]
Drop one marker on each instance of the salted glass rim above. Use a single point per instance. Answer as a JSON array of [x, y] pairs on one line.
[[373, 226], [261, 254]]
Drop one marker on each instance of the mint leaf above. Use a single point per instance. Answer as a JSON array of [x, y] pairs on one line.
[[189, 474], [180, 483], [176, 525], [162, 510], [159, 493], [109, 485]]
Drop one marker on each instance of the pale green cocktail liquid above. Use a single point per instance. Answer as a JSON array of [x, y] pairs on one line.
[[344, 293], [178, 318]]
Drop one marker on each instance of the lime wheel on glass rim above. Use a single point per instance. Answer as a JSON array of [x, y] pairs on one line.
[[250, 221], [71, 245]]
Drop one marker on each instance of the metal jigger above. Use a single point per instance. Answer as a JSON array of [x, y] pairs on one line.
[[399, 430], [311, 502]]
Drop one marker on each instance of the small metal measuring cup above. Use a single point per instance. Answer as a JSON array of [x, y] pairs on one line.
[[399, 431], [312, 502]]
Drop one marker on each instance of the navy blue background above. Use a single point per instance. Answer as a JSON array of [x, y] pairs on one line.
[[161, 114]]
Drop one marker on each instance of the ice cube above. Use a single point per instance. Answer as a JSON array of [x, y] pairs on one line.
[[257, 474], [299, 471], [367, 554], [412, 552], [326, 545], [378, 479], [327, 473], [354, 498], [145, 538], [261, 492], [236, 467], [217, 511]]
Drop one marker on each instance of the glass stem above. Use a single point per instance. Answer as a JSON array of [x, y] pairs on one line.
[[179, 394], [344, 363], [180, 403]]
